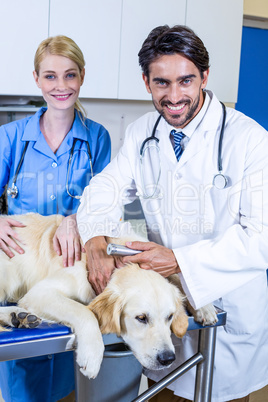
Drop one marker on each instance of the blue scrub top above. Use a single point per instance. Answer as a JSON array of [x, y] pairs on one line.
[[42, 188], [42, 178]]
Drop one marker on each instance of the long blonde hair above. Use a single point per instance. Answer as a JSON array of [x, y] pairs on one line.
[[61, 45]]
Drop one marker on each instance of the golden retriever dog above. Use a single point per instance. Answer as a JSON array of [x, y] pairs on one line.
[[140, 306]]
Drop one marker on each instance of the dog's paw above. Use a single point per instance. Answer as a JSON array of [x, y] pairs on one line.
[[206, 315], [89, 358], [24, 319]]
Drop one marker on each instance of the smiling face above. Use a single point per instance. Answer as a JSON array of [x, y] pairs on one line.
[[176, 86], [60, 80]]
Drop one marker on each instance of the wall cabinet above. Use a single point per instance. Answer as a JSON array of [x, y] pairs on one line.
[[220, 28], [139, 17], [110, 34], [24, 24], [95, 26]]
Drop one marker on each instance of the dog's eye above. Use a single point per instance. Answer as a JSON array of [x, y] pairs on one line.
[[142, 318], [170, 317]]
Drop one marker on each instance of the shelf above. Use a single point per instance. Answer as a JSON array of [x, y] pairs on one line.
[[16, 108]]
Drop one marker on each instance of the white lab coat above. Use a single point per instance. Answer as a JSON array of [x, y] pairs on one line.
[[219, 237]]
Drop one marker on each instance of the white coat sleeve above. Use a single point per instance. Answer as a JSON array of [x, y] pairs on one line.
[[103, 199], [212, 268]]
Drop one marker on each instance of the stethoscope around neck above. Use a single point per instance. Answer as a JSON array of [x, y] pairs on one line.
[[220, 181], [13, 190]]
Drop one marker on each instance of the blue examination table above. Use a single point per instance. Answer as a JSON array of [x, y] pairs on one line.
[[120, 373]]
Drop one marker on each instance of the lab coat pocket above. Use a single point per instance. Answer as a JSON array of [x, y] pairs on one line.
[[214, 206], [80, 178], [244, 307]]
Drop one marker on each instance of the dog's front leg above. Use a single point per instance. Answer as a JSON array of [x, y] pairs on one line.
[[17, 317], [51, 300], [206, 315]]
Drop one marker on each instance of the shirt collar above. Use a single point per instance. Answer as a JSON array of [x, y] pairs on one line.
[[32, 130]]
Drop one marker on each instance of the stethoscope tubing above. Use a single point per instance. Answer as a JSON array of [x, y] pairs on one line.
[[69, 165], [152, 137], [221, 138], [20, 163], [13, 189]]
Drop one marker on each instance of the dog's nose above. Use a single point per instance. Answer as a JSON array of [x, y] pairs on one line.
[[166, 358]]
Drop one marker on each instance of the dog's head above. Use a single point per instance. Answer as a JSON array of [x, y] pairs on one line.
[[143, 308]]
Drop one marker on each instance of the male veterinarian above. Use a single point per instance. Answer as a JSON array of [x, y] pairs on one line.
[[206, 214]]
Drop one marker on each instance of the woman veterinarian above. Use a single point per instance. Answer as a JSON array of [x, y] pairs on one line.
[[47, 159]]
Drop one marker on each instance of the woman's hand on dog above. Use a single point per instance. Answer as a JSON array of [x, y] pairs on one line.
[[66, 241], [8, 236], [154, 256], [100, 265]]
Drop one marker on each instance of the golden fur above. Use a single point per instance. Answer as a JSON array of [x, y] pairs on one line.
[[140, 306]]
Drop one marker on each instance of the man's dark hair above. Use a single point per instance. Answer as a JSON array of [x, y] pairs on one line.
[[180, 39]]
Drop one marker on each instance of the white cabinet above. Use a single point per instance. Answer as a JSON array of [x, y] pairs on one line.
[[110, 34], [95, 27], [24, 24], [139, 17], [220, 28], [218, 23]]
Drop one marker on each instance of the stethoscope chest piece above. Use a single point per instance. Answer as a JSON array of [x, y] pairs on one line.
[[13, 191], [220, 181]]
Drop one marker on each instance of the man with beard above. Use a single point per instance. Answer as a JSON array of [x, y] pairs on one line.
[[206, 213]]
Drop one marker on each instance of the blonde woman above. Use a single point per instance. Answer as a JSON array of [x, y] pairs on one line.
[[47, 159]]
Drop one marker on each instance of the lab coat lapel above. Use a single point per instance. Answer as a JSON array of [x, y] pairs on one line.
[[165, 145], [204, 132], [195, 145]]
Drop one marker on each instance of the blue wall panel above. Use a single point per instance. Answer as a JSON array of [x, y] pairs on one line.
[[253, 79]]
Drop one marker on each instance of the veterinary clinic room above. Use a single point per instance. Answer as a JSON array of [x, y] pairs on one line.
[[133, 261]]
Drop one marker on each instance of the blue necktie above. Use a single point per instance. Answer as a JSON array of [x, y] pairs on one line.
[[178, 136]]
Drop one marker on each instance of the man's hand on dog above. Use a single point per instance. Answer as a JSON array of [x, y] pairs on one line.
[[154, 256], [100, 265], [8, 236]]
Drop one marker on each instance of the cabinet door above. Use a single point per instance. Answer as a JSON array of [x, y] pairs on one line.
[[220, 29], [24, 24], [138, 19], [95, 27]]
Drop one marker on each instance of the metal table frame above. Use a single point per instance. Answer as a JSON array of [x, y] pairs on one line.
[[55, 338]]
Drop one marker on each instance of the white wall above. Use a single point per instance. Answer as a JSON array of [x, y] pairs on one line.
[[116, 115]]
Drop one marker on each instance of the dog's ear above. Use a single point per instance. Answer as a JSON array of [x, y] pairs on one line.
[[179, 323], [108, 307]]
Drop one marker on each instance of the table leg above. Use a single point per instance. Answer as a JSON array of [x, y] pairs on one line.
[[204, 370]]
